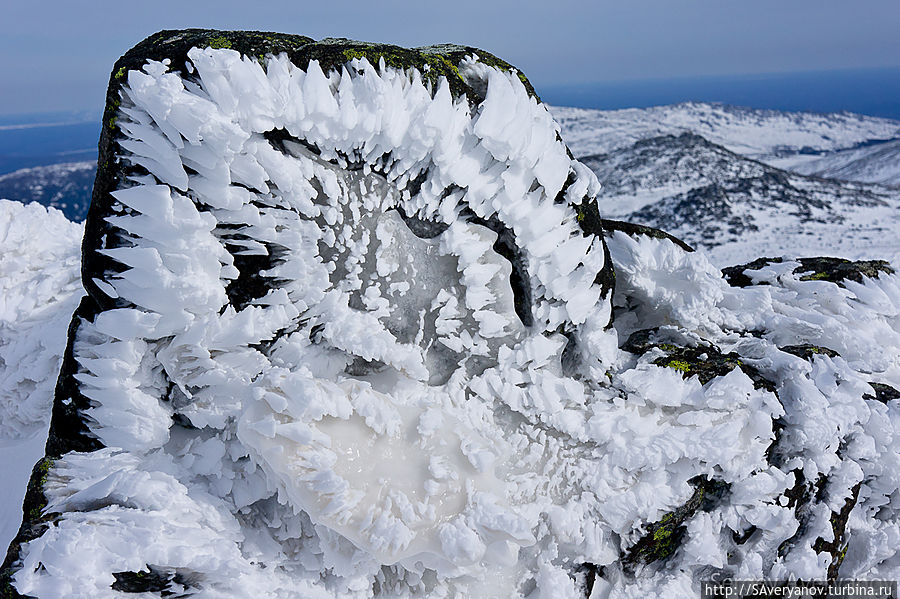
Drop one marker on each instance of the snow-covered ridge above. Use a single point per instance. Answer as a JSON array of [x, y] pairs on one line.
[[761, 134], [874, 163], [738, 208], [730, 179], [349, 337]]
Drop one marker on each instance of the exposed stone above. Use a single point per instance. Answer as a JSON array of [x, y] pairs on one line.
[[735, 274], [883, 392], [152, 580], [636, 229], [664, 536], [837, 270], [704, 361], [807, 351]]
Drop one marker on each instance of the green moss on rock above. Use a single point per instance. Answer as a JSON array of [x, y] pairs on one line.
[[837, 547], [664, 537], [838, 270], [34, 523], [807, 351], [679, 365], [634, 229], [704, 361], [802, 497], [220, 41], [833, 270]]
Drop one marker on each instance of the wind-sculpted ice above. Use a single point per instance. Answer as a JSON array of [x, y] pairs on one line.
[[353, 339], [310, 281], [359, 410]]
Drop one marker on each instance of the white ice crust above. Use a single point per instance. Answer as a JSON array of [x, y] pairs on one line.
[[39, 288], [381, 421]]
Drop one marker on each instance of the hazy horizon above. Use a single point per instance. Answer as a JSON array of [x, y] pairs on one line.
[[58, 55], [874, 92]]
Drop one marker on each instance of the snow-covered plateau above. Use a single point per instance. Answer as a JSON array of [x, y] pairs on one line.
[[352, 326]]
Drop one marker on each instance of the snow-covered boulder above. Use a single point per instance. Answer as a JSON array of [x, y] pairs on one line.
[[352, 331]]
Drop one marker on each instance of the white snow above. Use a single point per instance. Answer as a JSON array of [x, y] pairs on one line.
[[379, 332], [704, 174], [39, 288], [873, 163], [765, 135]]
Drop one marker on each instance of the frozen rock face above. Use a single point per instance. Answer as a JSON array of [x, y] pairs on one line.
[[312, 269], [349, 333]]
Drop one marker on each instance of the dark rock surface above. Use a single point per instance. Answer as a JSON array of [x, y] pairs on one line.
[[884, 393], [837, 270], [703, 360], [833, 270]]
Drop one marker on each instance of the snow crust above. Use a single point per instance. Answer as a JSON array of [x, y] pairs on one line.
[[835, 431], [382, 420], [39, 288]]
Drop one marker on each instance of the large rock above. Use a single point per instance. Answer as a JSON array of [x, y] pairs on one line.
[[349, 332], [277, 217]]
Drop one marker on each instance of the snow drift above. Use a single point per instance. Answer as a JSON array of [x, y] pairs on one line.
[[351, 331]]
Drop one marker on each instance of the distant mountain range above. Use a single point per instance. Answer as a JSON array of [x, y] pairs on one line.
[[765, 135], [742, 183], [737, 182], [873, 163]]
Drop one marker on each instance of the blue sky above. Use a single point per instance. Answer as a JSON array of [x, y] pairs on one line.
[[57, 55]]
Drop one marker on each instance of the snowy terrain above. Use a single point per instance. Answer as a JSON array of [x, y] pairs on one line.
[[721, 177], [66, 186], [874, 163], [738, 209], [764, 135], [40, 284], [342, 356]]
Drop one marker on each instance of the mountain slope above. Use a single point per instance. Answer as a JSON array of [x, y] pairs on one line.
[[872, 163], [737, 208], [659, 167], [66, 187]]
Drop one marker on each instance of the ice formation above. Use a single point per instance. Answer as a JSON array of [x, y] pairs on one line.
[[38, 285], [39, 288], [348, 335]]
